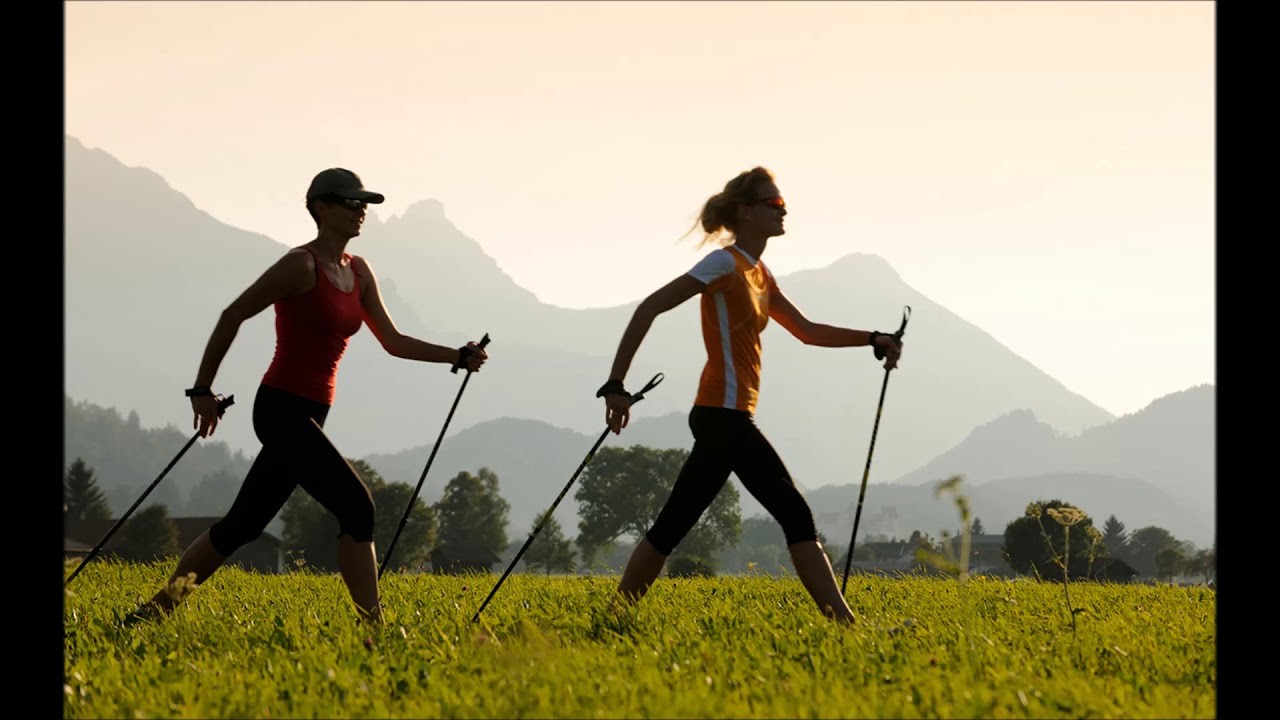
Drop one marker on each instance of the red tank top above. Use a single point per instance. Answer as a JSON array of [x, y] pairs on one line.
[[312, 330]]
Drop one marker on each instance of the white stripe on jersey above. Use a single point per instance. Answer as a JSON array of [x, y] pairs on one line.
[[730, 372]]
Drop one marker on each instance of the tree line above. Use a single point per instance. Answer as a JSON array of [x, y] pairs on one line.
[[619, 494]]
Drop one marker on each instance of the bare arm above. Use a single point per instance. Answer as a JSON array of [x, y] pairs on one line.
[[665, 298], [618, 407], [286, 276], [384, 328], [810, 332]]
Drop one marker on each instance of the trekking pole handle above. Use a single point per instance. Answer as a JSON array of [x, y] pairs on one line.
[[652, 384], [458, 365], [225, 403], [906, 315], [897, 336]]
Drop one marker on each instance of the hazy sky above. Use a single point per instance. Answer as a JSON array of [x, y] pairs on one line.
[[1045, 170]]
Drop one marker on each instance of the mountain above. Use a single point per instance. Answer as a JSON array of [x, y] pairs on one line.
[[532, 459], [1169, 444], [126, 458], [148, 272]]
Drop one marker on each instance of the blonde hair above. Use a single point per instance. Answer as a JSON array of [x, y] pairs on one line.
[[719, 215]]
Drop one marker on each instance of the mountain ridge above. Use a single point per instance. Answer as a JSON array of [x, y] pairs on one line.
[[137, 344]]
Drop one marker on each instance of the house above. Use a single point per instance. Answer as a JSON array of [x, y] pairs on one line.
[[73, 550], [261, 555], [986, 552], [458, 559], [881, 551]]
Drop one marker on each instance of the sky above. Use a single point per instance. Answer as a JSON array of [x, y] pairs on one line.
[[1045, 170]]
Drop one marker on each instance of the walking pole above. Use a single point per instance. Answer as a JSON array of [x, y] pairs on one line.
[[848, 560], [386, 559], [590, 454], [222, 407]]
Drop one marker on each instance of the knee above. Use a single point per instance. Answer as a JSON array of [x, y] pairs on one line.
[[357, 520], [664, 542], [228, 536], [797, 524]]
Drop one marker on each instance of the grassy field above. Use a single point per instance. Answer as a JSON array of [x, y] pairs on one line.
[[250, 645]]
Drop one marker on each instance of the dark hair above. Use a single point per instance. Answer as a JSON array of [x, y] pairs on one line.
[[311, 205], [719, 214]]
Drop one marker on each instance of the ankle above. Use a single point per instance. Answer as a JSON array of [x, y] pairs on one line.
[[372, 616], [160, 602], [627, 598]]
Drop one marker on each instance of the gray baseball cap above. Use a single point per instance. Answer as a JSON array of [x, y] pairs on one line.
[[344, 184]]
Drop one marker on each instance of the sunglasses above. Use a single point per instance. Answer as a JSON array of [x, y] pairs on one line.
[[776, 203], [344, 202]]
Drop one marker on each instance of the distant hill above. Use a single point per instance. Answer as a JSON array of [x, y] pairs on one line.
[[1168, 444], [126, 458], [532, 459], [1152, 467]]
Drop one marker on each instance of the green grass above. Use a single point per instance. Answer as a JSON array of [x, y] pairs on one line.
[[250, 645]]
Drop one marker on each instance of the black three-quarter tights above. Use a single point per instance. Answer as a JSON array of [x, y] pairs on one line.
[[728, 441], [295, 451]]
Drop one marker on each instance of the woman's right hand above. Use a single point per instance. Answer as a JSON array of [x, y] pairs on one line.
[[206, 414]]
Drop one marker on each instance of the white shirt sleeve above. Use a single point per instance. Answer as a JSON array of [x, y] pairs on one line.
[[716, 264]]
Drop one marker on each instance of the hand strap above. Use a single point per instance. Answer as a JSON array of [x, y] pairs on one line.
[[613, 387], [465, 352], [897, 337]]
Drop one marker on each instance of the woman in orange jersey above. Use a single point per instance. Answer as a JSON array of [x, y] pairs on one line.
[[321, 294], [739, 296]]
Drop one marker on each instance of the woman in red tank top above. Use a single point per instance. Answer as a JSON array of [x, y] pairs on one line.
[[322, 295]]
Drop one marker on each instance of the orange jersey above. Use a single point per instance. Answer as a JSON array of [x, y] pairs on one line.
[[735, 310]]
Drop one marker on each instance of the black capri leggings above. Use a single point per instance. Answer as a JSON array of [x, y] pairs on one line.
[[728, 441], [295, 451]]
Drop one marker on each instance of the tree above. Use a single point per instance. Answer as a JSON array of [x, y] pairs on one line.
[[214, 495], [82, 499], [122, 496], [759, 531], [1035, 542], [1144, 544], [1114, 538], [1188, 548], [623, 489], [148, 536], [1198, 563], [975, 527], [417, 539], [1205, 563], [835, 553], [1169, 561], [311, 531], [471, 512], [757, 546], [550, 550], [771, 558], [920, 542]]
